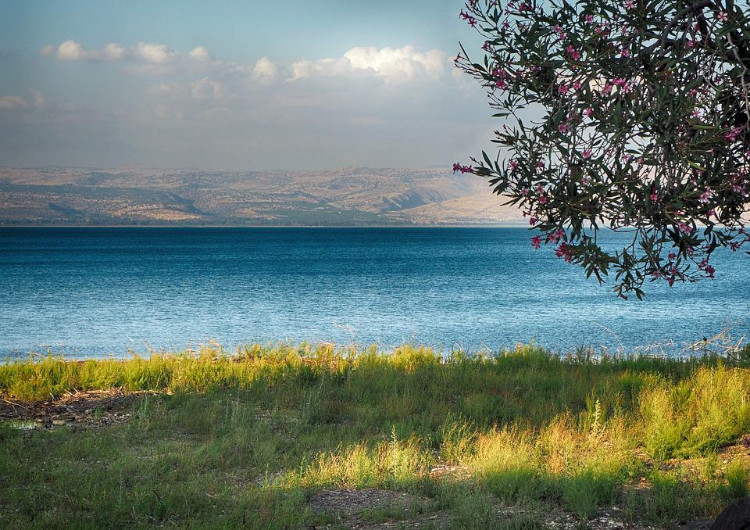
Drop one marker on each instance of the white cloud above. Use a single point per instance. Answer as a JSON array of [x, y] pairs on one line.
[[154, 53], [200, 54], [142, 52], [12, 102], [71, 50], [399, 63], [112, 52], [265, 70], [391, 64], [206, 89]]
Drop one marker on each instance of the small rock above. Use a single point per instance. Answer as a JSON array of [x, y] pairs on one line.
[[58, 422]]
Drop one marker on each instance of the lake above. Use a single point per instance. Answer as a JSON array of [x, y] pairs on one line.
[[93, 292]]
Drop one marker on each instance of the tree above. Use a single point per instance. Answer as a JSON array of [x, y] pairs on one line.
[[631, 115]]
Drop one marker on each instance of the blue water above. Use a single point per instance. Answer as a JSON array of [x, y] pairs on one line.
[[100, 292]]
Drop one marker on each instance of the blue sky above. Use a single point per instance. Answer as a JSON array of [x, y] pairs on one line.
[[236, 84]]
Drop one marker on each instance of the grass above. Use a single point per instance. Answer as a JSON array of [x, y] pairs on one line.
[[251, 439]]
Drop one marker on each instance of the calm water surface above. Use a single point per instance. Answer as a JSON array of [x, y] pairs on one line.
[[100, 292]]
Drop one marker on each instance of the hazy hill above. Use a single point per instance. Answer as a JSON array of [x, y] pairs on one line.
[[352, 196]]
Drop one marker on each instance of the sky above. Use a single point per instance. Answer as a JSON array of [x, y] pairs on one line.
[[237, 85]]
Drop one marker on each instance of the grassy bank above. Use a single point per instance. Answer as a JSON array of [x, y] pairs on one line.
[[267, 437]]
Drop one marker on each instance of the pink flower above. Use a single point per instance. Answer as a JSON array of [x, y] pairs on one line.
[[630, 4], [586, 153], [685, 228], [589, 18], [542, 200], [563, 251], [577, 85], [654, 197], [562, 89], [706, 196], [463, 169], [556, 236], [732, 135], [722, 16], [708, 269], [513, 164], [536, 242], [607, 89], [574, 54], [468, 18], [563, 128], [588, 112]]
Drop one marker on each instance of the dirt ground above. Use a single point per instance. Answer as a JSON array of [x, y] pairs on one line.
[[353, 509], [95, 408]]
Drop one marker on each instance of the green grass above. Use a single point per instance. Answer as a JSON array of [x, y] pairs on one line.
[[251, 438]]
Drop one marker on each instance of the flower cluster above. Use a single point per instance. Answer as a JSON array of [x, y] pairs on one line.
[[645, 129]]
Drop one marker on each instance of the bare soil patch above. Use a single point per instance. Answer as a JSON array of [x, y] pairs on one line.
[[94, 408], [371, 509]]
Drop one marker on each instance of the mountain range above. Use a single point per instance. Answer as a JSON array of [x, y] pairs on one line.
[[343, 197]]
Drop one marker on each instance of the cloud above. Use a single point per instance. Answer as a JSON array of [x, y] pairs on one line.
[[154, 53], [391, 64], [71, 50], [142, 52], [13, 102], [399, 63], [206, 89], [368, 106], [265, 70], [200, 53]]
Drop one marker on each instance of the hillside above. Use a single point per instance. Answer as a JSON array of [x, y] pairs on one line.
[[351, 196]]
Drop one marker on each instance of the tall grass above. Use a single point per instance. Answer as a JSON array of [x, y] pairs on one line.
[[249, 436]]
